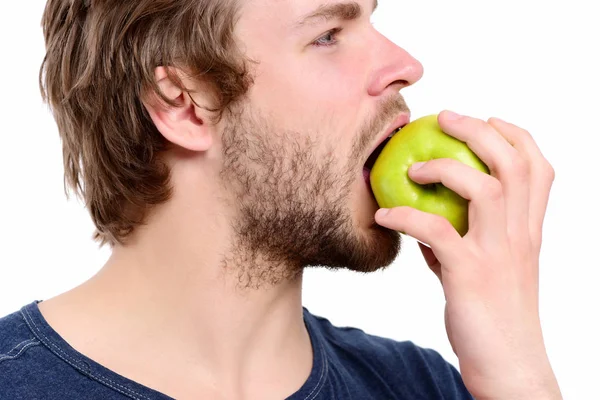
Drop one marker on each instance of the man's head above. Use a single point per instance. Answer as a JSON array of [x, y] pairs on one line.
[[255, 103]]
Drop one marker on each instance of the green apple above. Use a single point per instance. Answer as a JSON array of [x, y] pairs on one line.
[[422, 140]]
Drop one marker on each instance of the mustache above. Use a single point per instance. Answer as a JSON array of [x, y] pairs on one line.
[[388, 110]]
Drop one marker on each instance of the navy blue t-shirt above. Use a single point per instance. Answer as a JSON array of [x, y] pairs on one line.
[[37, 363]]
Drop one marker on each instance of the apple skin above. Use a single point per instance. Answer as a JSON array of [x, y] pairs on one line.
[[422, 140]]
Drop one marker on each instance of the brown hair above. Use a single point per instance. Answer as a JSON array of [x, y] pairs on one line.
[[99, 67]]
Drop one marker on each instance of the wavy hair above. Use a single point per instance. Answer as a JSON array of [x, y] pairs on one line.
[[98, 69]]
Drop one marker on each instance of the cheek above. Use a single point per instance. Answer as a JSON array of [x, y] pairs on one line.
[[311, 92], [334, 86]]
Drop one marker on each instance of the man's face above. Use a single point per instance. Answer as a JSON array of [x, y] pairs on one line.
[[295, 147]]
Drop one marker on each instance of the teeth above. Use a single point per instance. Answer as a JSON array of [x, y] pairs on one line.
[[395, 131]]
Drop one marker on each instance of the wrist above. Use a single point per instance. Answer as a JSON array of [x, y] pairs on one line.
[[539, 384]]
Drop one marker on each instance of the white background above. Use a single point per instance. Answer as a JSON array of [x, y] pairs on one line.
[[533, 63]]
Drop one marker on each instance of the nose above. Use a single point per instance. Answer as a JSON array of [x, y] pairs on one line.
[[395, 68]]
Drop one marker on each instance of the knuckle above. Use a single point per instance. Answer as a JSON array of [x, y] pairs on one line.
[[520, 167], [491, 188], [545, 170], [440, 226], [525, 133], [550, 172]]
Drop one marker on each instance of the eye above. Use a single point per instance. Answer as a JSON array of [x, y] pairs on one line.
[[329, 39]]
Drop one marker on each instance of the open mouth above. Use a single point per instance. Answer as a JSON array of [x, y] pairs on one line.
[[373, 157]]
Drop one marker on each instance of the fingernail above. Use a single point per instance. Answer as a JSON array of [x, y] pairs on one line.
[[382, 212], [452, 115], [416, 166]]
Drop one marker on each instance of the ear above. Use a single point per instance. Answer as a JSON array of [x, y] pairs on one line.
[[186, 125]]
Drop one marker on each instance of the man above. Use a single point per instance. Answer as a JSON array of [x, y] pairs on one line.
[[219, 147]]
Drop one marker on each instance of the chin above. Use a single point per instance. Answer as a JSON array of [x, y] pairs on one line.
[[382, 246], [377, 247], [363, 249]]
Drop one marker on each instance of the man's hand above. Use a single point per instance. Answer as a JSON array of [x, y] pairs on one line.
[[490, 276]]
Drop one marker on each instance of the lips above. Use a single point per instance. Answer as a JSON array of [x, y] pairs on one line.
[[371, 160], [395, 126], [375, 154], [367, 176], [400, 121]]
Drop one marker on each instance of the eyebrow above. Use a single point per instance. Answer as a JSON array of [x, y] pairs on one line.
[[343, 11]]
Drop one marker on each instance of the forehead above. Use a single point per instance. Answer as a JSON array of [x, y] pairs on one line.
[[295, 15]]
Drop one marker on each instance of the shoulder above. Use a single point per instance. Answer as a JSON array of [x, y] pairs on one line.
[[356, 341], [34, 359], [17, 343], [15, 337], [393, 363], [20, 356]]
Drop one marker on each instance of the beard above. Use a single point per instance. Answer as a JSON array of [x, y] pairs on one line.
[[292, 204]]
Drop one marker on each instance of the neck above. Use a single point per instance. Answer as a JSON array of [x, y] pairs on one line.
[[166, 291], [201, 309]]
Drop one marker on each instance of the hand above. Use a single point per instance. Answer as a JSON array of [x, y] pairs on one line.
[[489, 276]]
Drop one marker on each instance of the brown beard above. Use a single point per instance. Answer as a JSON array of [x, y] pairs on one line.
[[293, 205]]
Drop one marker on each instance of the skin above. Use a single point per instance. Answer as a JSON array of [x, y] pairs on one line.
[[215, 275], [489, 276]]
